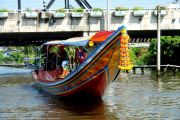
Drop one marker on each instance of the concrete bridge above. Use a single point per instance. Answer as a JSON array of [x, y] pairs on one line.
[[16, 27]]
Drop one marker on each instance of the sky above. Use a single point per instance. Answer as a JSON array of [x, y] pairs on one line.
[[38, 4]]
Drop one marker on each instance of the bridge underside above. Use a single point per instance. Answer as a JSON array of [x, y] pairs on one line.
[[147, 35], [38, 38], [34, 38]]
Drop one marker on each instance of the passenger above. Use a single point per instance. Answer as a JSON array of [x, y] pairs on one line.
[[63, 61], [44, 57], [76, 59], [82, 54], [51, 62]]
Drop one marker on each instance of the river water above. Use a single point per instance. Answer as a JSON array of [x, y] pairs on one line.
[[130, 97]]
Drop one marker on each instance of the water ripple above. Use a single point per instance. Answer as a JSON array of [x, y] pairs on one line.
[[130, 97]]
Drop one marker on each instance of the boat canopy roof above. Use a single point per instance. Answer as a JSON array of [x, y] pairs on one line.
[[76, 41], [82, 41], [101, 36]]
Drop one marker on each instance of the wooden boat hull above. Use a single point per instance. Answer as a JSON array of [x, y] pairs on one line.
[[93, 75]]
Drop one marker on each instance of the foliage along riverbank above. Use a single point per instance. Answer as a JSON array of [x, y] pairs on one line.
[[17, 56], [170, 47]]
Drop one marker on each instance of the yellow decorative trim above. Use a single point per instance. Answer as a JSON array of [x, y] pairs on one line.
[[125, 67], [91, 43]]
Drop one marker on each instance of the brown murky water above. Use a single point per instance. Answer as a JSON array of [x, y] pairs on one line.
[[131, 97]]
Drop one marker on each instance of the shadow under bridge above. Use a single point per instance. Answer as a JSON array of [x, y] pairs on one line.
[[34, 38]]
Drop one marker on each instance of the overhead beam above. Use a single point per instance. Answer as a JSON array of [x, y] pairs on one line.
[[66, 4], [19, 5], [86, 4], [80, 4], [65, 1], [50, 4]]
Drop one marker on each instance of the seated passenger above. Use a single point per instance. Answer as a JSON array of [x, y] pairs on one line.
[[81, 55], [63, 62]]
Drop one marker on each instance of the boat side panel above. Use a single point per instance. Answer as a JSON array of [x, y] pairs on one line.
[[113, 63], [98, 65], [95, 87]]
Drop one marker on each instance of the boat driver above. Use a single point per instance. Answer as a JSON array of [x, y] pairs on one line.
[[63, 61]]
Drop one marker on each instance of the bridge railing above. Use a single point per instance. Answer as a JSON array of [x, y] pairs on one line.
[[18, 22]]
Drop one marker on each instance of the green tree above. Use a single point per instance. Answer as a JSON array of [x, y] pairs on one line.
[[170, 46], [18, 57], [139, 56], [1, 58]]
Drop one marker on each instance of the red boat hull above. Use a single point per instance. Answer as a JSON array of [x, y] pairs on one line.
[[94, 88]]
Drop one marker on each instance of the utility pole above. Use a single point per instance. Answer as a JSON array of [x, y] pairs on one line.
[[108, 16], [158, 41]]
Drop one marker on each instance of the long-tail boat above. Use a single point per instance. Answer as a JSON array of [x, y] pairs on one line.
[[89, 77]]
